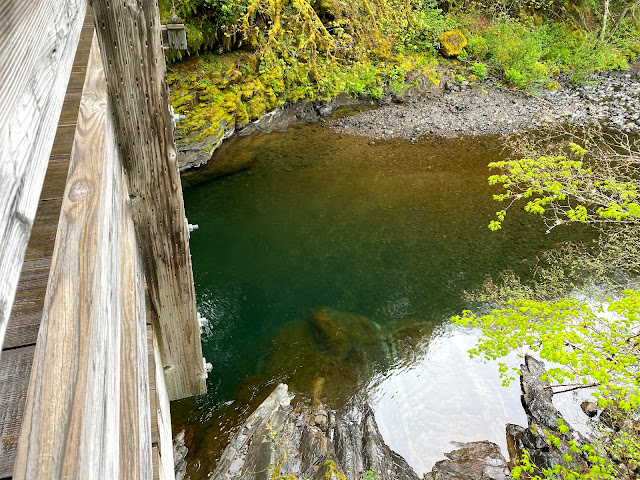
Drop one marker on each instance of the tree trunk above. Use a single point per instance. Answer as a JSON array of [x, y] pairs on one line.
[[623, 13], [605, 18]]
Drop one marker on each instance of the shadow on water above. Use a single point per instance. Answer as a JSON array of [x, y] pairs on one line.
[[332, 260]]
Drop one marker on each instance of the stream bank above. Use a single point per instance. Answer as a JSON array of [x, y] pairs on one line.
[[449, 109]]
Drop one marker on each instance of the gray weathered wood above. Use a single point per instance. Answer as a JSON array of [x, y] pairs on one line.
[[39, 40], [129, 36], [135, 421], [165, 437], [71, 426], [15, 366]]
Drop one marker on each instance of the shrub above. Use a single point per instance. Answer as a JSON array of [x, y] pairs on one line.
[[479, 70]]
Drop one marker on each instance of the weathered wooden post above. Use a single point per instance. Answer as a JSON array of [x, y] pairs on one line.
[[130, 42]]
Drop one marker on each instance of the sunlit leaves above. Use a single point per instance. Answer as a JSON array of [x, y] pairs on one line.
[[563, 188]]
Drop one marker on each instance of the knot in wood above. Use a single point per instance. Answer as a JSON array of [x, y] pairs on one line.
[[79, 190]]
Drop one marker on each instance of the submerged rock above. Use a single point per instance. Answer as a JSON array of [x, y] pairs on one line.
[[329, 354], [471, 461]]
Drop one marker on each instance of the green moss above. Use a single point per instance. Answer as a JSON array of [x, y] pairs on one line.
[[553, 86], [332, 472], [452, 42]]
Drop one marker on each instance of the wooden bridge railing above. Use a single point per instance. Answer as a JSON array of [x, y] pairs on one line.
[[129, 35], [122, 226], [38, 41]]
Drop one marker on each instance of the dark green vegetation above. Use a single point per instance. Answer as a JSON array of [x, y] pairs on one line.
[[592, 336], [331, 259], [247, 57]]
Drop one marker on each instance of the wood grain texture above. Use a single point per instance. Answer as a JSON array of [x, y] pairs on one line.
[[153, 392], [38, 41], [71, 426], [135, 408], [15, 366], [56, 178], [165, 436], [26, 314], [129, 36]]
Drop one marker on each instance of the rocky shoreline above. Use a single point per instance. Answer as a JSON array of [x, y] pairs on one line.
[[312, 441], [450, 109], [612, 98]]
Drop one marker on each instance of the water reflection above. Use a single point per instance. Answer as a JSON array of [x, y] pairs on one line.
[[378, 240], [442, 395]]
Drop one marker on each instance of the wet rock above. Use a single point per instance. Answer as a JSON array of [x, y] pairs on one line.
[[471, 461], [249, 453], [180, 452], [589, 408], [193, 154], [277, 440], [543, 419], [537, 396]]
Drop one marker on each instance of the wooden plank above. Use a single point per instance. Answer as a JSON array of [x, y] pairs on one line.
[[15, 366], [156, 463], [71, 424], [69, 113], [43, 233], [165, 436], [135, 408], [153, 391], [63, 141], [129, 36], [26, 314], [38, 41], [56, 178]]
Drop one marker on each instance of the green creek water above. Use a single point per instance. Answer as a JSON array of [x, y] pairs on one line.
[[381, 238]]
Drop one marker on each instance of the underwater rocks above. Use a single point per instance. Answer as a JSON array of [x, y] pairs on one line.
[[196, 154], [611, 98], [337, 353]]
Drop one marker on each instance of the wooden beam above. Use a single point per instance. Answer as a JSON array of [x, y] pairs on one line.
[[163, 417], [129, 36], [87, 390], [38, 41], [135, 419], [15, 366]]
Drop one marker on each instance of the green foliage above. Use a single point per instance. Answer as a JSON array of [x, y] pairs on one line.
[[594, 344], [591, 343], [479, 70], [564, 188], [530, 54], [370, 475]]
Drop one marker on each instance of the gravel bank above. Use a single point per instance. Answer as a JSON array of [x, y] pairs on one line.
[[612, 98]]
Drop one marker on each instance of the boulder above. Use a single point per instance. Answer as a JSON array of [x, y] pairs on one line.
[[543, 418], [278, 441], [452, 42], [471, 461], [589, 408]]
